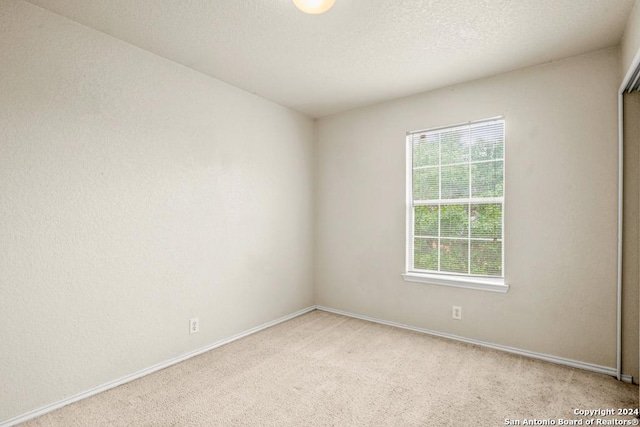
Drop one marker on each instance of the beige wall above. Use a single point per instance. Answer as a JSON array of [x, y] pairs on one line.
[[135, 194], [560, 212], [630, 43], [631, 237]]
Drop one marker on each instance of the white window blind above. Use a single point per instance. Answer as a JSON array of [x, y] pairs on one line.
[[456, 200]]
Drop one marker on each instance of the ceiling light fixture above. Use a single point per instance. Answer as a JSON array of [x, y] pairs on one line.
[[314, 7]]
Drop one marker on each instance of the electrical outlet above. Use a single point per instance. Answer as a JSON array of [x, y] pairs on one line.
[[457, 312], [194, 325]]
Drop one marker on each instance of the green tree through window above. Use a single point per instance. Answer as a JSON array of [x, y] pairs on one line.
[[457, 199]]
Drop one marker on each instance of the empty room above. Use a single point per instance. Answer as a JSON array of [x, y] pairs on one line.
[[319, 212]]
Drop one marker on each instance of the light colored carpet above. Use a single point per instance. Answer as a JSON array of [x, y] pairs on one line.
[[322, 369]]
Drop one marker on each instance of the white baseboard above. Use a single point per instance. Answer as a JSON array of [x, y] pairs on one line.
[[554, 359], [45, 409]]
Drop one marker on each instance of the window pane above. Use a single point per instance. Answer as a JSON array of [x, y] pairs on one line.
[[487, 142], [449, 166], [455, 146], [486, 258], [425, 184], [454, 256], [454, 221], [486, 221], [486, 179], [426, 150], [425, 254], [426, 221], [455, 182]]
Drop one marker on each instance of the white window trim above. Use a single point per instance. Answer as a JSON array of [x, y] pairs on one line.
[[491, 284], [470, 282]]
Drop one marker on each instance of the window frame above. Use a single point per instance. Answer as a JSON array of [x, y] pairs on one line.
[[459, 280]]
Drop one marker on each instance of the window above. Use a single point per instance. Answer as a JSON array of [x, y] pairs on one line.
[[455, 205]]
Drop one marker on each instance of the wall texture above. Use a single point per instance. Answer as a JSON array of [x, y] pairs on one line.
[[135, 194], [560, 210], [630, 43]]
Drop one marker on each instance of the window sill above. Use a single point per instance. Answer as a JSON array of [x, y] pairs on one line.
[[477, 283]]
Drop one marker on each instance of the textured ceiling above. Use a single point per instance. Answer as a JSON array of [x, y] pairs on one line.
[[361, 51]]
